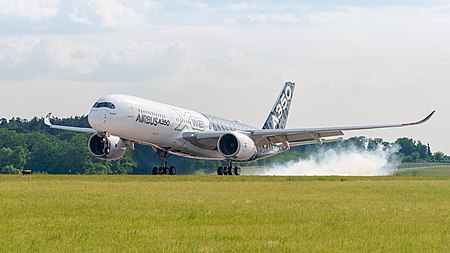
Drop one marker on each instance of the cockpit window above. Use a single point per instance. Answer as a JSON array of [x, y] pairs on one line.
[[104, 104]]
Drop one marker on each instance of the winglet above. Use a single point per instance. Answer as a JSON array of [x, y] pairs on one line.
[[47, 119], [421, 121], [66, 128]]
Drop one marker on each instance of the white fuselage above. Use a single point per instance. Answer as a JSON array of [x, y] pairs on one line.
[[156, 124]]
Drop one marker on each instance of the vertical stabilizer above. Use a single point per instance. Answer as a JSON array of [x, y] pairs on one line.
[[278, 115]]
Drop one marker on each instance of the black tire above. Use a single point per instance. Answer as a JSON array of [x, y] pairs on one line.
[[237, 170], [165, 171], [155, 171], [172, 170], [220, 171], [230, 171]]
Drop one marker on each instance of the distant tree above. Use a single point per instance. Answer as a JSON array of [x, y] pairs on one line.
[[5, 157], [407, 145], [19, 157], [373, 144], [439, 157], [359, 142]]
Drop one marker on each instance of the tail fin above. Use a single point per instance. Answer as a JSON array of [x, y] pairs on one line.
[[278, 115]]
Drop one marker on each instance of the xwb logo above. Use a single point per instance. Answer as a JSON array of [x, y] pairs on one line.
[[188, 122]]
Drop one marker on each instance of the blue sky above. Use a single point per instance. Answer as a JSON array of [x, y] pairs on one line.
[[354, 62]]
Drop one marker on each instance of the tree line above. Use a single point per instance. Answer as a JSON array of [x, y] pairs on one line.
[[30, 144]]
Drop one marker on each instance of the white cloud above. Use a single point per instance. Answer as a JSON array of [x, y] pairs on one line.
[[199, 5], [236, 64], [71, 57], [15, 50], [284, 18], [409, 17], [241, 7], [79, 18], [256, 18], [259, 18], [33, 10], [113, 13], [126, 59]]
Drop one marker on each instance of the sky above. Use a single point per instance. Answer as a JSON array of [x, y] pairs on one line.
[[353, 62]]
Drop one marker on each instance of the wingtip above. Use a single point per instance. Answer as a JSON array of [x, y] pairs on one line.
[[425, 119], [430, 115]]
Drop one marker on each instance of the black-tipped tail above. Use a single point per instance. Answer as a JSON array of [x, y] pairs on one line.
[[279, 114]]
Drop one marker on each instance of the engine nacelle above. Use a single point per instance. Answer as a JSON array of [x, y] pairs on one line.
[[236, 146], [106, 147]]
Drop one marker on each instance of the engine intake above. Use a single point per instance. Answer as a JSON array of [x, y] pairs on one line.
[[236, 146], [106, 147]]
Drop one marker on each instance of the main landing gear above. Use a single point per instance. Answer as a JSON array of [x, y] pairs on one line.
[[229, 170], [164, 169]]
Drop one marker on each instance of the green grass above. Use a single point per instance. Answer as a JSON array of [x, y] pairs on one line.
[[48, 213], [425, 171]]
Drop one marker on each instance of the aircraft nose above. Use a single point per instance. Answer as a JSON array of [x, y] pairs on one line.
[[95, 119]]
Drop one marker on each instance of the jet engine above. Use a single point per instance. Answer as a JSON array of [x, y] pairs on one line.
[[236, 146], [106, 147]]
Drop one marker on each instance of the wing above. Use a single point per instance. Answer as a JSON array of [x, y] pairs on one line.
[[67, 128], [295, 137]]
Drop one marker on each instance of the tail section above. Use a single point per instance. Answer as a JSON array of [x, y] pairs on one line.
[[278, 115]]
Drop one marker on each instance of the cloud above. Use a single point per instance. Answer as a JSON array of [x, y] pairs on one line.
[[79, 18], [386, 17], [61, 58], [236, 64], [33, 10], [15, 50], [113, 14], [284, 18]]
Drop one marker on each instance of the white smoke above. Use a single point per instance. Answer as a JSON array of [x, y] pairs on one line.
[[348, 161]]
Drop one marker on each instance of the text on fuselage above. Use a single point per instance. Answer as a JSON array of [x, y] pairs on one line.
[[145, 118], [281, 107]]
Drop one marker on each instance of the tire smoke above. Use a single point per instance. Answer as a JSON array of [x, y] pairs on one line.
[[343, 161]]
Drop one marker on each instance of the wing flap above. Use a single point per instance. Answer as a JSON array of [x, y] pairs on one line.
[[205, 140]]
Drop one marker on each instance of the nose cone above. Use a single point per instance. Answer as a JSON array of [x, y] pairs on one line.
[[96, 120]]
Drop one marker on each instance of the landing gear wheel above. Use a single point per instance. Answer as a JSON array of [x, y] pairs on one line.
[[172, 170], [237, 170], [220, 171], [164, 169], [155, 171], [230, 171]]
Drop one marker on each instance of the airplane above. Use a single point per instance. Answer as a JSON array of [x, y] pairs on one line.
[[121, 120]]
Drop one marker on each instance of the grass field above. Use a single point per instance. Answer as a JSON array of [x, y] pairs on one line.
[[425, 171], [47, 213]]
